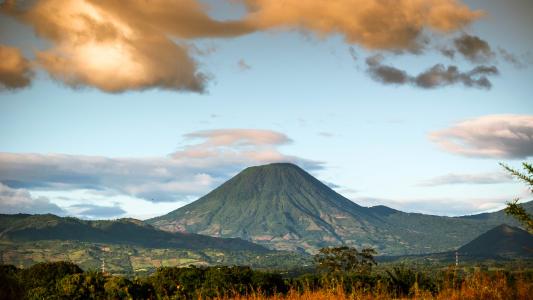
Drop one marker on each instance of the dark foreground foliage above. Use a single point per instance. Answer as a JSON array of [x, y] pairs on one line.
[[64, 280]]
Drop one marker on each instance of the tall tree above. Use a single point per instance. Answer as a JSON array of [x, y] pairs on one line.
[[345, 260], [513, 207]]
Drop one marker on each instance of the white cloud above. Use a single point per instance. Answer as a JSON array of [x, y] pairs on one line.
[[442, 206], [21, 201], [492, 136], [92, 211], [212, 158]]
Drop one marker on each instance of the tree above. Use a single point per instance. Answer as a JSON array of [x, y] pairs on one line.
[[513, 207], [345, 260]]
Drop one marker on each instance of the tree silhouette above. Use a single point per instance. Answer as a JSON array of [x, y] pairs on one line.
[[513, 207]]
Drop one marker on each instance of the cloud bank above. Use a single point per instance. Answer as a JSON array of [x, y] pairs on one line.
[[212, 157], [440, 206], [15, 70], [492, 136]]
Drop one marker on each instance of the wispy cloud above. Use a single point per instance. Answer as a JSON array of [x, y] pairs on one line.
[[209, 158], [92, 211], [492, 136], [243, 65], [326, 134], [480, 178], [519, 61]]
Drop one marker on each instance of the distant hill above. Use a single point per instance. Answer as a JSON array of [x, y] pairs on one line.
[[283, 207], [501, 241], [25, 228], [128, 246]]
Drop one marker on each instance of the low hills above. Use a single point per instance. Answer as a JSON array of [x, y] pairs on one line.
[[24, 227], [128, 247], [283, 207], [501, 241]]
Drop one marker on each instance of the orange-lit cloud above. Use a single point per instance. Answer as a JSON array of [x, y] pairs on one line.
[[375, 24], [117, 46], [113, 50], [15, 70]]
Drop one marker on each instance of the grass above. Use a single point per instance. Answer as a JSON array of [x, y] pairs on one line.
[[479, 285]]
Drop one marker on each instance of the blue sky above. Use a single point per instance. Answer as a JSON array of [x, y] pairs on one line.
[[297, 95]]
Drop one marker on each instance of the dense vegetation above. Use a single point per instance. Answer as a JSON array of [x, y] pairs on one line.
[[343, 273], [127, 260], [283, 207]]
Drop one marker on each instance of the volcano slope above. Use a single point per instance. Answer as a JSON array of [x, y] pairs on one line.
[[283, 207]]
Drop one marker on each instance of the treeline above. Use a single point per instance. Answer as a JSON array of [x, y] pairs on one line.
[[340, 273], [65, 280]]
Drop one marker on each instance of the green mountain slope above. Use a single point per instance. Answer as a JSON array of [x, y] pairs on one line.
[[501, 241], [278, 205], [23, 228], [283, 207]]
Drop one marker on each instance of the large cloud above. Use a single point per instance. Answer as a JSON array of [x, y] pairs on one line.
[[434, 77], [117, 47], [147, 44], [394, 25], [193, 170], [15, 70], [21, 201], [494, 136]]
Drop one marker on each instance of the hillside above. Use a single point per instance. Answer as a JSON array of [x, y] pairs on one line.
[[24, 228], [501, 241], [283, 207], [128, 246]]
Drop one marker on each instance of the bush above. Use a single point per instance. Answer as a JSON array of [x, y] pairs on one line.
[[405, 281]]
